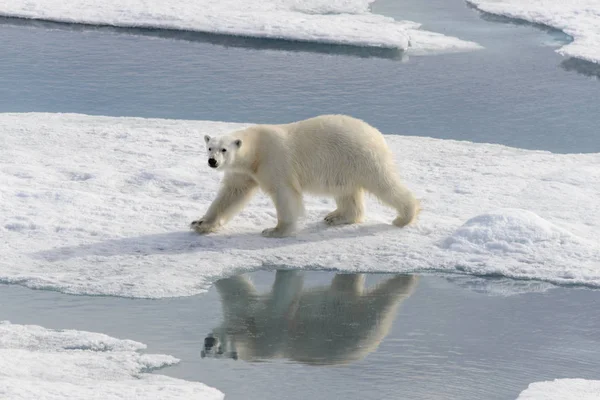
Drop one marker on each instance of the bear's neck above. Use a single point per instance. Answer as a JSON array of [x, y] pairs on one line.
[[245, 160]]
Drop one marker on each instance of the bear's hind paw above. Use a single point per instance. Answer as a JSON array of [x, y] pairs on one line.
[[275, 233], [336, 218]]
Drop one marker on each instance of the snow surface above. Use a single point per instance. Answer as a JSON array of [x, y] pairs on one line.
[[562, 389], [347, 22], [43, 364], [579, 19], [101, 206]]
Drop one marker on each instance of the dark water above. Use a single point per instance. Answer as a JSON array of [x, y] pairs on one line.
[[311, 336], [517, 91]]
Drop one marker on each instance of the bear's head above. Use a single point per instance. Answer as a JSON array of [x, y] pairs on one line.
[[221, 151], [213, 347]]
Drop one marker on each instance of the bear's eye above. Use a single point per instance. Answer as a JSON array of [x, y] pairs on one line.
[[210, 149], [224, 150]]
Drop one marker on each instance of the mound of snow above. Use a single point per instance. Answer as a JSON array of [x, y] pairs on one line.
[[507, 231], [346, 22], [484, 241], [579, 19], [98, 205], [38, 363], [562, 389]]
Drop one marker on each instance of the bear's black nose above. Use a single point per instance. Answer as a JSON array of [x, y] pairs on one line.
[[212, 162], [209, 342]]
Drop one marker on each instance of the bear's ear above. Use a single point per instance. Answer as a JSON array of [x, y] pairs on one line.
[[206, 138], [238, 143]]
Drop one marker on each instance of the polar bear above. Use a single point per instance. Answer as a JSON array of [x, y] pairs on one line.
[[333, 324], [334, 155]]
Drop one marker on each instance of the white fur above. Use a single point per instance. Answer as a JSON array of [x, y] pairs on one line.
[[334, 155], [334, 324]]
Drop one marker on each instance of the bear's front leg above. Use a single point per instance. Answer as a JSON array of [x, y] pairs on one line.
[[288, 203], [204, 225], [236, 190]]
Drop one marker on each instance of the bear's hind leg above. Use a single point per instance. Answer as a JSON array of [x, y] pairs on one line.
[[392, 192], [350, 209], [288, 203]]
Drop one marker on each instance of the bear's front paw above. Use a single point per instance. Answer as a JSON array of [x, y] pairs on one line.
[[336, 218], [202, 226], [275, 232]]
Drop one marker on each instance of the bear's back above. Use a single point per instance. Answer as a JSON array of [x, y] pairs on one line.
[[332, 152]]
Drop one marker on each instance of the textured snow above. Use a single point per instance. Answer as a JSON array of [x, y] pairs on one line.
[[579, 19], [101, 206], [506, 231], [32, 337], [43, 364], [562, 389], [346, 22]]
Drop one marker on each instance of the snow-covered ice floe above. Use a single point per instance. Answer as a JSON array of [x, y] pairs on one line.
[[44, 364], [562, 389], [344, 22], [102, 205], [579, 19]]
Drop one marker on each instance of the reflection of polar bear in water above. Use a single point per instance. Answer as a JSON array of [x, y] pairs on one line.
[[337, 324]]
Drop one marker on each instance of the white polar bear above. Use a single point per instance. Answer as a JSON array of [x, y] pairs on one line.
[[334, 324], [334, 155]]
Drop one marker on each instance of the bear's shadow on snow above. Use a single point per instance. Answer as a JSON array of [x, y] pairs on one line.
[[181, 242], [244, 42]]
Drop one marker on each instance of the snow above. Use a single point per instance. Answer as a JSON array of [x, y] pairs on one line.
[[562, 389], [506, 231], [37, 338], [101, 206], [346, 22], [579, 19], [43, 364]]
